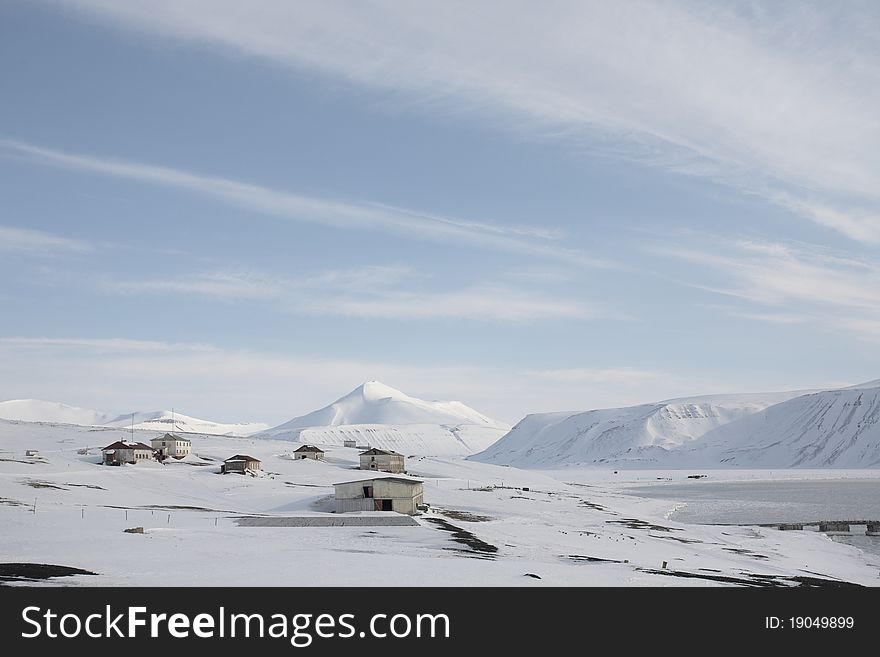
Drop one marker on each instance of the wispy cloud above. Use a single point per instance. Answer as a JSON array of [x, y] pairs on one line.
[[25, 240], [624, 376], [105, 344], [802, 283], [223, 286], [328, 212], [777, 100], [372, 292], [489, 303]]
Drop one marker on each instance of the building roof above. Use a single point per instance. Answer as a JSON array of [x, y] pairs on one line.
[[308, 448], [121, 444], [241, 457], [171, 436], [379, 452], [405, 480]]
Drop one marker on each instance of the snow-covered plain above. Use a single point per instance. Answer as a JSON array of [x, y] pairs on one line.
[[574, 527]]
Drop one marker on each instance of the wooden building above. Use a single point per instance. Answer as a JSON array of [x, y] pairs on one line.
[[308, 452], [126, 452], [382, 460], [240, 464], [400, 494]]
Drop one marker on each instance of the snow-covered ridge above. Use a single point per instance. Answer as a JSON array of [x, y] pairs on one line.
[[381, 416], [170, 421], [833, 428], [635, 434], [35, 410]]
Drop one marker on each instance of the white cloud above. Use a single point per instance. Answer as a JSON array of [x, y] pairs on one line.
[[105, 344], [774, 99], [25, 240], [802, 283], [224, 286], [484, 303], [329, 212], [380, 292]]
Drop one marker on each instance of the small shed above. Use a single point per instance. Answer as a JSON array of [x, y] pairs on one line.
[[240, 464], [171, 445], [32, 452], [308, 452], [400, 494], [349, 443], [125, 452], [382, 460]]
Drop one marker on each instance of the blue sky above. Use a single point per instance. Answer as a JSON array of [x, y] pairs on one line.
[[245, 210]]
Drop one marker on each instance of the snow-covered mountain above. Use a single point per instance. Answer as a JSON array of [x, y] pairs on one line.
[[639, 435], [376, 414], [834, 428], [37, 410], [170, 421]]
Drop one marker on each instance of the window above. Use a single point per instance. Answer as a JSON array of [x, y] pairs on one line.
[[368, 491]]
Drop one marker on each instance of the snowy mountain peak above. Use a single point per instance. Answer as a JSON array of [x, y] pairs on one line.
[[372, 391], [382, 416]]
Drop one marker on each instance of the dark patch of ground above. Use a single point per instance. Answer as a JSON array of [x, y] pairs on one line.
[[170, 507], [464, 515], [7, 502], [580, 558], [475, 546], [35, 483], [86, 486], [20, 461], [744, 552], [532, 575], [633, 523], [592, 505], [754, 579], [681, 540], [32, 572]]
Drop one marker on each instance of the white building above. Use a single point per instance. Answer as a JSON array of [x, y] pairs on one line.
[[171, 445], [381, 460], [400, 494], [123, 452]]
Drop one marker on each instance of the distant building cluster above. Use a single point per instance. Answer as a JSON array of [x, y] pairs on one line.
[[400, 494], [123, 451]]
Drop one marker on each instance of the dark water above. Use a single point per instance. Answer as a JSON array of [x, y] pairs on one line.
[[781, 501]]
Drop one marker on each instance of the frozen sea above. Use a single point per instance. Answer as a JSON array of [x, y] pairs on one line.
[[773, 501]]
